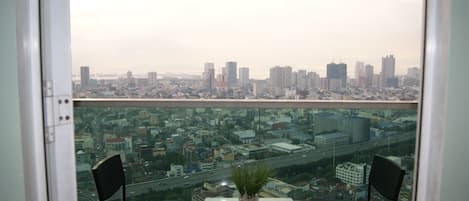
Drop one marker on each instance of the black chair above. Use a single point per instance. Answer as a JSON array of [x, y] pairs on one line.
[[109, 177], [386, 178]]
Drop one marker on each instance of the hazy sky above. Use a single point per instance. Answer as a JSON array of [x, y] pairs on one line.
[[178, 36]]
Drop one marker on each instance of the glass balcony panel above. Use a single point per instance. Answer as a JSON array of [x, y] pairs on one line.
[[187, 153]]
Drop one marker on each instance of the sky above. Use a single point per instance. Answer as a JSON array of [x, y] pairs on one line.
[[179, 36]]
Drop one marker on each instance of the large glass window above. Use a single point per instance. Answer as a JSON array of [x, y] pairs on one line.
[[187, 153], [329, 50], [304, 51]]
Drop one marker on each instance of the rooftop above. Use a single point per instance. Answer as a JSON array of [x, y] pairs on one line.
[[287, 146], [333, 135]]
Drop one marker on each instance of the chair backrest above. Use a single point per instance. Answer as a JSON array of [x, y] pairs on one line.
[[109, 177], [385, 177]]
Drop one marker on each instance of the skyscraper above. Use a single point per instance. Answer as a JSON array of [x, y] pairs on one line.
[[314, 81], [243, 76], [360, 73], [152, 77], [222, 82], [336, 73], [369, 75], [413, 73], [209, 76], [84, 76], [294, 79], [413, 77], [129, 75], [231, 73], [302, 80], [388, 66], [359, 69], [280, 77], [130, 80]]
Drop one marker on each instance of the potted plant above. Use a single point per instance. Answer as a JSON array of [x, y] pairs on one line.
[[249, 180]]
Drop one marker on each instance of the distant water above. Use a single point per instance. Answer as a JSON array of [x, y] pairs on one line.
[[76, 77]]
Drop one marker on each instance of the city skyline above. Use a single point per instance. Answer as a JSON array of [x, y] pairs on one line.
[[283, 82], [179, 36], [350, 68]]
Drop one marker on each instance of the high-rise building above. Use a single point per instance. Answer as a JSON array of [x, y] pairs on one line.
[[231, 73], [152, 77], [314, 80], [209, 76], [360, 74], [413, 73], [129, 75], [130, 80], [294, 79], [357, 127], [369, 75], [324, 83], [412, 78], [326, 123], [393, 82], [302, 80], [243, 76], [376, 82], [388, 67], [280, 77], [222, 80], [84, 76], [337, 73]]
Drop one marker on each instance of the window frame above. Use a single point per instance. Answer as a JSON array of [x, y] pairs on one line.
[[43, 35]]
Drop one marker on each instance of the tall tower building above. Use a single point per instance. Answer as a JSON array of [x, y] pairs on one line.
[[413, 77], [388, 67], [84, 76], [369, 75], [152, 77], [129, 75], [302, 80], [209, 76], [231, 73], [222, 83], [359, 69], [130, 79], [243, 76], [360, 73], [314, 81], [294, 79], [280, 77], [357, 127], [413, 73], [337, 73]]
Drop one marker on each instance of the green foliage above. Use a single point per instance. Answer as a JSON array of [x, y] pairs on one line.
[[250, 179], [164, 162], [240, 175]]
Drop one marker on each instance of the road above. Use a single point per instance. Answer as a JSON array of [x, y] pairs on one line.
[[275, 162]]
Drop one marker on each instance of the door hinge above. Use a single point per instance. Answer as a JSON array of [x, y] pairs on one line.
[[47, 88], [58, 111], [49, 135]]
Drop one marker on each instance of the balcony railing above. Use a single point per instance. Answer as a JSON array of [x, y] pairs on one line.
[[247, 103], [172, 147]]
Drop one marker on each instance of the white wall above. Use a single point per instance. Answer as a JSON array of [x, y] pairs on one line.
[[11, 164], [455, 175]]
